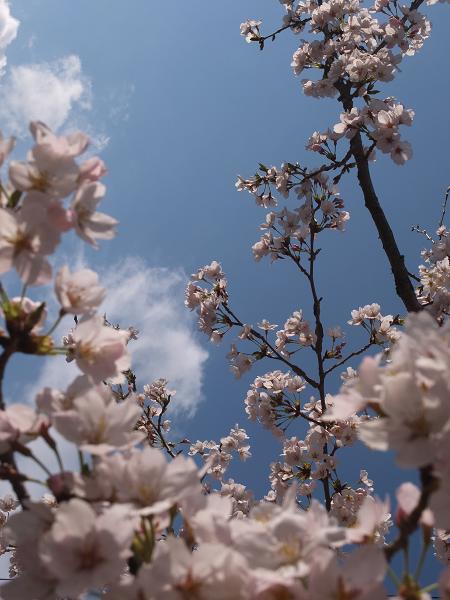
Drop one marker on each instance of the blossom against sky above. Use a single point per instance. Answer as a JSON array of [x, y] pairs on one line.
[[180, 106]]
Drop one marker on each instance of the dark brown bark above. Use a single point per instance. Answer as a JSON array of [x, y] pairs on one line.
[[10, 472], [403, 285]]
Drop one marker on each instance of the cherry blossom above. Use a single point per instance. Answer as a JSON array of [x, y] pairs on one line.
[[140, 520], [99, 351], [360, 575], [26, 239], [176, 573], [50, 167], [83, 550], [89, 417], [18, 423], [78, 292], [89, 224], [145, 479]]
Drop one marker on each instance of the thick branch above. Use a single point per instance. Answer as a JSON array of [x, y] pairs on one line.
[[4, 358], [403, 285], [10, 472]]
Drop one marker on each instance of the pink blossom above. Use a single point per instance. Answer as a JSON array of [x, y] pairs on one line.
[[83, 550], [145, 479], [51, 167], [100, 351], [401, 152], [89, 416], [18, 423], [373, 521], [25, 531], [89, 224], [408, 496], [359, 576], [92, 169], [26, 238], [78, 292], [71, 145], [176, 573]]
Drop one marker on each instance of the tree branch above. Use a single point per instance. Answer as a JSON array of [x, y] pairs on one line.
[[10, 472], [403, 285], [8, 468], [297, 370], [348, 357]]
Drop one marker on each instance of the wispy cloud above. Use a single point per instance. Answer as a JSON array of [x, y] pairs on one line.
[[43, 91], [8, 31], [119, 101], [57, 92]]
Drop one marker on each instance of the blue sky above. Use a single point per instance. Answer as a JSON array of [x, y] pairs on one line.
[[181, 105]]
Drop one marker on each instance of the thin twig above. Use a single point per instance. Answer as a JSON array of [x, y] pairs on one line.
[[297, 370], [351, 355]]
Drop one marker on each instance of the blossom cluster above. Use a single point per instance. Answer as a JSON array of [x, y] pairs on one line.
[[276, 549], [135, 525], [274, 400], [208, 300], [140, 520], [32, 212], [33, 217], [380, 121], [360, 45], [288, 232], [409, 401], [434, 289], [380, 328], [217, 456]]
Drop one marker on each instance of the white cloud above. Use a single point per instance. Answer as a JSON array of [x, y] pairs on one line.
[[43, 91], [8, 31], [57, 93], [150, 299]]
